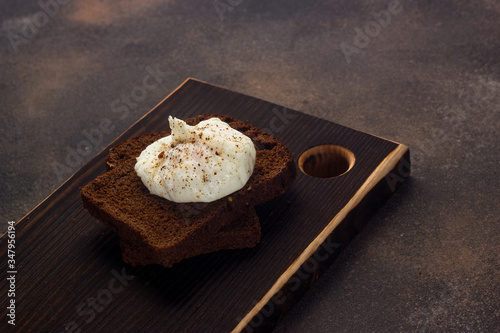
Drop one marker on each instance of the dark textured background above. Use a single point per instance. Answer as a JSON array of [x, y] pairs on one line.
[[428, 261]]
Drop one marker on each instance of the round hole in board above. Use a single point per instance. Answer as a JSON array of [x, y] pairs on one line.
[[326, 161]]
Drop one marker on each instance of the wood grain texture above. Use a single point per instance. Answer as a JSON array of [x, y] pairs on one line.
[[71, 276]]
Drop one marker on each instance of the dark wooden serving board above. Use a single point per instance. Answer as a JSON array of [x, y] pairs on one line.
[[70, 276]]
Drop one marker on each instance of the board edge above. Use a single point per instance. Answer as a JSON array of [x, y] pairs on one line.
[[378, 174]]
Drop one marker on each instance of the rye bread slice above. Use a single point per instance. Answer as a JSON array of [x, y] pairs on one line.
[[244, 232], [160, 227]]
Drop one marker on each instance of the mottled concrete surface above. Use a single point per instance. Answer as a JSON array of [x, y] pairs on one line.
[[429, 78]]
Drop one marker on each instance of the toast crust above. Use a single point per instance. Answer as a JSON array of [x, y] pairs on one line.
[[244, 232]]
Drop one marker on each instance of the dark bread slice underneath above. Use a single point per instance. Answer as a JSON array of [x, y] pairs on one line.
[[242, 233], [167, 232]]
